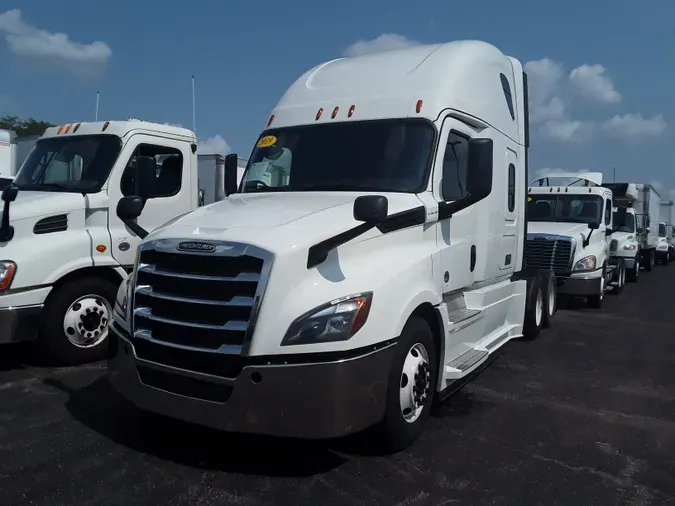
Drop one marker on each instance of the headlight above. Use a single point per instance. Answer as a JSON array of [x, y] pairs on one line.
[[630, 247], [338, 320], [586, 263], [7, 272]]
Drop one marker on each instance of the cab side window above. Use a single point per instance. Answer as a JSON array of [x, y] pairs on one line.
[[453, 183], [608, 212], [168, 175]]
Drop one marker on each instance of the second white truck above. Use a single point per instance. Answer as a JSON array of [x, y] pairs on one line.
[[69, 232]]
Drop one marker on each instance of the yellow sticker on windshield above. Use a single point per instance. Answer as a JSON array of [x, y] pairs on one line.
[[267, 141], [529, 199]]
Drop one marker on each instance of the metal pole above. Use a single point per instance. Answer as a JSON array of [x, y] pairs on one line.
[[194, 114], [97, 99], [614, 174]]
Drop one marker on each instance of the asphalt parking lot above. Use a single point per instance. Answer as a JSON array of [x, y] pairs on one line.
[[584, 415]]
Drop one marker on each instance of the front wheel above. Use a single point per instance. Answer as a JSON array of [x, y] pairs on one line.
[[633, 274], [551, 298], [596, 300], [77, 314], [411, 388]]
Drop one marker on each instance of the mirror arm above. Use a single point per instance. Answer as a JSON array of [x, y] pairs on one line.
[[6, 231], [318, 253], [135, 228]]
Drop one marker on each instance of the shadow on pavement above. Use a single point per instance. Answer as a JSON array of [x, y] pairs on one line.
[[21, 356]]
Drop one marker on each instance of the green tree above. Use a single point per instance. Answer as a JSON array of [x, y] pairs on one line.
[[21, 127]]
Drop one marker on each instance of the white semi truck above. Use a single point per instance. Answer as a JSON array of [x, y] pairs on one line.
[[667, 230], [66, 240], [569, 230], [626, 195], [371, 260]]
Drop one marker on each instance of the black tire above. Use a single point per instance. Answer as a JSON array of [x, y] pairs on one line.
[[621, 277], [550, 300], [650, 260], [534, 311], [394, 432], [633, 274], [596, 301], [53, 337], [665, 259]]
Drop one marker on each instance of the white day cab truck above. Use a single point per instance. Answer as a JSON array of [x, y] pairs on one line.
[[370, 262], [67, 237], [625, 224], [667, 229], [570, 230], [647, 208]]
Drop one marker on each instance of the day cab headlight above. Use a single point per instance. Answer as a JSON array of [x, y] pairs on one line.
[[7, 273], [337, 320], [586, 263], [630, 247]]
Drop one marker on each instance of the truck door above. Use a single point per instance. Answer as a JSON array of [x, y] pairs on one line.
[[172, 190]]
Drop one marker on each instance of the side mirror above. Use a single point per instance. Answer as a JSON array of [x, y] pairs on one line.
[[479, 168], [647, 230], [130, 208], [9, 193], [609, 231], [594, 225], [231, 167], [201, 195], [145, 176], [371, 209]]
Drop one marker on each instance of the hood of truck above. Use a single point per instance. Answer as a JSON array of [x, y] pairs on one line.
[[30, 204], [276, 221], [558, 228]]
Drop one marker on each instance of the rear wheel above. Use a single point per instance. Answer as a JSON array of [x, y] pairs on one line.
[[411, 388], [534, 313], [551, 300], [632, 274], [650, 260], [620, 278]]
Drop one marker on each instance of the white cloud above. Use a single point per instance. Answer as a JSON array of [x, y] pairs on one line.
[[590, 81], [212, 146], [544, 80], [568, 130], [634, 126], [31, 42], [385, 42], [671, 194]]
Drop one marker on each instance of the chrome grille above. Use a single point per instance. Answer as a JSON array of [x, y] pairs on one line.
[[550, 252], [195, 310]]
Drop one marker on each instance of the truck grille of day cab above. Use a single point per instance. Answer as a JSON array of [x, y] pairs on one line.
[[195, 303], [555, 252]]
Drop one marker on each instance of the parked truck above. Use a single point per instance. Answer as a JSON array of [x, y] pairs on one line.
[[667, 229], [13, 151], [211, 178], [370, 262], [628, 244], [569, 230], [65, 240], [647, 213]]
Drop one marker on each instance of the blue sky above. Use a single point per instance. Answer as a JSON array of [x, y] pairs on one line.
[[602, 71]]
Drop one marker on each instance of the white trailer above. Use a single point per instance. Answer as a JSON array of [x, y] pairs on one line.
[[71, 221], [667, 229], [624, 227], [647, 212], [211, 178], [7, 154], [371, 261]]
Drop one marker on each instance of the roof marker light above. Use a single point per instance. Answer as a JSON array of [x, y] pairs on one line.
[[318, 113], [335, 111], [419, 106], [269, 121], [351, 111], [105, 126], [60, 129], [68, 129], [76, 127]]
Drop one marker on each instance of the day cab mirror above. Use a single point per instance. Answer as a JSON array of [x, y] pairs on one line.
[[9, 193], [130, 208], [371, 209], [647, 230], [231, 168], [594, 225], [145, 176], [609, 231], [479, 168]]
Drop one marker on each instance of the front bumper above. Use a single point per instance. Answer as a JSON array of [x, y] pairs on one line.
[[581, 286], [311, 400], [19, 323]]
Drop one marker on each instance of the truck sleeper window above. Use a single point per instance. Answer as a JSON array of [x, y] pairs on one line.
[[382, 155], [565, 208]]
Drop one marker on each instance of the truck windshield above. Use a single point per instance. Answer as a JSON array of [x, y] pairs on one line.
[[662, 230], [625, 223], [564, 208], [79, 164], [381, 155]]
